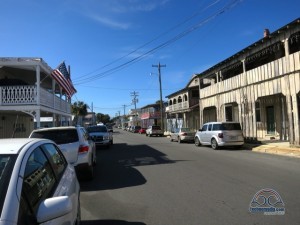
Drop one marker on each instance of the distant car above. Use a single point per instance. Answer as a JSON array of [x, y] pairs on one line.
[[101, 135], [154, 130], [75, 143], [218, 134], [37, 184], [182, 135], [109, 128], [136, 129], [142, 130]]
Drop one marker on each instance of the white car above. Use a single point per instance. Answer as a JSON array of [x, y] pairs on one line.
[[37, 184], [76, 145], [182, 135], [220, 134]]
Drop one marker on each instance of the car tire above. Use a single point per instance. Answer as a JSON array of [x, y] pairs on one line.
[[171, 139], [90, 172], [197, 142], [214, 144]]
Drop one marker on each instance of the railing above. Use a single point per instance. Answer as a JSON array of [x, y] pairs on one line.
[[27, 95], [260, 74], [179, 106]]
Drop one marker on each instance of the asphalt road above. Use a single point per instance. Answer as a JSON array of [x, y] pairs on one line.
[[150, 180]]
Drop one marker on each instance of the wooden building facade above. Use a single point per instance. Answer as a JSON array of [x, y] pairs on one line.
[[258, 87]]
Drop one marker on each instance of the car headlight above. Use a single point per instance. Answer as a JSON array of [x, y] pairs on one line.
[[105, 138]]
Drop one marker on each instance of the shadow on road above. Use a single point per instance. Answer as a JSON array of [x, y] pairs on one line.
[[109, 222], [116, 166]]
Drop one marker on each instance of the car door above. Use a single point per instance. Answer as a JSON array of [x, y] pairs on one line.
[[203, 134]]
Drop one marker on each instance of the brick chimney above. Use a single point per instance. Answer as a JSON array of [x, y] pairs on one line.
[[266, 33]]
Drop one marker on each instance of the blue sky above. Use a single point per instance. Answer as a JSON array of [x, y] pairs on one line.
[[111, 45]]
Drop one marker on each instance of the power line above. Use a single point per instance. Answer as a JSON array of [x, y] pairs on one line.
[[164, 44]]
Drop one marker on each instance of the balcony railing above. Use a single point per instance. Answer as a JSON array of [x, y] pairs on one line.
[[27, 95], [179, 106], [260, 74]]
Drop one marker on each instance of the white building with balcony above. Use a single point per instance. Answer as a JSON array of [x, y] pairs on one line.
[[259, 87], [28, 92]]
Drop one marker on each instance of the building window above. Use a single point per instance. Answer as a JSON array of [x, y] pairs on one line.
[[228, 113], [257, 111]]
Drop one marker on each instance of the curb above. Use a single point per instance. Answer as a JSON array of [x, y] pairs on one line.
[[278, 150]]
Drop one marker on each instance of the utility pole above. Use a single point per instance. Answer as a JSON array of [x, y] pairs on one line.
[[134, 101], [160, 91]]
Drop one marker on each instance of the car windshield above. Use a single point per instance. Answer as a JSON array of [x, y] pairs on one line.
[[96, 129], [59, 136], [228, 126], [185, 129], [6, 166], [155, 127]]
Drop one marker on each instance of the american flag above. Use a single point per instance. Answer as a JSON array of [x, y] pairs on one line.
[[62, 77]]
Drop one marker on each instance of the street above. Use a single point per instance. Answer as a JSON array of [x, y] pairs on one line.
[[151, 181]]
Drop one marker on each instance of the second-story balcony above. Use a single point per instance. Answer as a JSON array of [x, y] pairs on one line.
[[19, 95]]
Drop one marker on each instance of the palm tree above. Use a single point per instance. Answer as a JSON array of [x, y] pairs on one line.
[[79, 108]]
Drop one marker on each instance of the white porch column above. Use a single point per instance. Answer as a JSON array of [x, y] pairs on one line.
[[38, 95]]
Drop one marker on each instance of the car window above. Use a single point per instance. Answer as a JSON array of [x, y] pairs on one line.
[[6, 166], [185, 129], [210, 127], [155, 127], [204, 127], [39, 179], [96, 129], [230, 126], [58, 160], [217, 127], [59, 136]]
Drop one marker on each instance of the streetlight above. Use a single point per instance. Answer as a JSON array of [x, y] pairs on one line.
[[160, 93]]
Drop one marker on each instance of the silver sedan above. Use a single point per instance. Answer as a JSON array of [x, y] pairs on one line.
[[182, 135]]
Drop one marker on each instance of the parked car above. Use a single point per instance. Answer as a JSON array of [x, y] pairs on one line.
[[76, 145], [109, 128], [38, 185], [154, 131], [136, 129], [101, 135], [142, 130], [218, 134], [182, 135]]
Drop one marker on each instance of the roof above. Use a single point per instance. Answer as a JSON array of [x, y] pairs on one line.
[[261, 41], [14, 145]]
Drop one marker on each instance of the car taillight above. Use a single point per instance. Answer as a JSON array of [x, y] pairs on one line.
[[220, 135], [83, 148]]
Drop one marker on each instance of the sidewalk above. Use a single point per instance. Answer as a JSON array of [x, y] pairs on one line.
[[274, 147]]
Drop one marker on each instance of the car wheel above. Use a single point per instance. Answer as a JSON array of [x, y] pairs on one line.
[[150, 135], [179, 140], [90, 172], [171, 139], [94, 161], [214, 144], [197, 142]]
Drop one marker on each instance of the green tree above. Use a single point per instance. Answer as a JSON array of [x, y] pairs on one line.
[[78, 108], [102, 118]]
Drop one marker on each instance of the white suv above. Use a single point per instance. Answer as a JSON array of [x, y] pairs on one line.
[[219, 134], [76, 145]]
